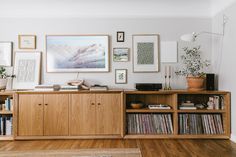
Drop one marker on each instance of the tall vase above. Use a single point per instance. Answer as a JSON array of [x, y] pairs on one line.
[[3, 84], [195, 83]]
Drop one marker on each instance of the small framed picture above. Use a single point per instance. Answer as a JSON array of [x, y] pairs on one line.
[[120, 36], [27, 41], [120, 54], [121, 76]]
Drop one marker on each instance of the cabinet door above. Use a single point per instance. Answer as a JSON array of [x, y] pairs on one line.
[[30, 122], [108, 114], [56, 114], [82, 114]]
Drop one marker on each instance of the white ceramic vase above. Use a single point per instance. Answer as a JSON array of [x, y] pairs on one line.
[[3, 84]]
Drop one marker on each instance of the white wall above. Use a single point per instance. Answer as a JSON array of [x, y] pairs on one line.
[[170, 29], [226, 62]]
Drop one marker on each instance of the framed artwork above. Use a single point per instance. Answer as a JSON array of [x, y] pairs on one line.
[[26, 70], [121, 76], [77, 53], [146, 53], [120, 54], [120, 36], [27, 41], [6, 53]]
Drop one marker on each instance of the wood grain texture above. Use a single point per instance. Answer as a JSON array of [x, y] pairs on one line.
[[82, 114], [56, 114], [108, 114], [30, 118], [149, 148]]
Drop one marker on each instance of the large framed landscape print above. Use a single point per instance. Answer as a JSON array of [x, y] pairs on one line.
[[77, 53], [146, 53]]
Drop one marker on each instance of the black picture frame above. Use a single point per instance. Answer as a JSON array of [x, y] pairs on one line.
[[120, 36]]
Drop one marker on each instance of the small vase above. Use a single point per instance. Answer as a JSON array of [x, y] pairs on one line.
[[195, 83], [3, 84]]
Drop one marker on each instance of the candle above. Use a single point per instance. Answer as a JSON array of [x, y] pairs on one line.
[[165, 70], [169, 71]]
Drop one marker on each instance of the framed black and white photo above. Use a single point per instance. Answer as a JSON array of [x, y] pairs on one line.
[[121, 76], [27, 41], [120, 36], [146, 53], [6, 53], [120, 54], [27, 67], [77, 53]]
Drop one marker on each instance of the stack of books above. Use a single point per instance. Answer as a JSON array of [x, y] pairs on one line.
[[7, 106], [187, 106], [98, 88], [159, 106], [5, 125], [149, 124]]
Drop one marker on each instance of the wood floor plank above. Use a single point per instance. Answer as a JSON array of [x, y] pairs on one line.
[[149, 148]]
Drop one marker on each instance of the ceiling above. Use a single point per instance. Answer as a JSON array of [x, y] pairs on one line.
[[112, 8]]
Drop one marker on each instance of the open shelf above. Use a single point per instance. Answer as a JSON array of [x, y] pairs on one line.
[[146, 110], [6, 112], [201, 111]]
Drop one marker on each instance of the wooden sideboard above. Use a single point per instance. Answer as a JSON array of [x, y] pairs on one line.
[[107, 115]]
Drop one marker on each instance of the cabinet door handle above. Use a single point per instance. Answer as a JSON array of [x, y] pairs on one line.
[[99, 103], [39, 104], [46, 104], [92, 103]]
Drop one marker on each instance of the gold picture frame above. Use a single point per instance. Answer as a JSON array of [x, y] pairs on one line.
[[27, 41]]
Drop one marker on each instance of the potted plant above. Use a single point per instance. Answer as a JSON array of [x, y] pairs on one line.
[[193, 67], [3, 78]]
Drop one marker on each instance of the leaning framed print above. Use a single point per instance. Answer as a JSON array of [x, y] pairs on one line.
[[146, 53], [6, 53], [26, 70], [27, 41], [77, 53]]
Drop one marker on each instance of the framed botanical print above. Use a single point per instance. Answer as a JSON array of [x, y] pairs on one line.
[[27, 67], [77, 53], [27, 41], [121, 76], [6, 53], [120, 36], [146, 53]]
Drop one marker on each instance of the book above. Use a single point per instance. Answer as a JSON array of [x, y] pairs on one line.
[[159, 106], [187, 108], [98, 88]]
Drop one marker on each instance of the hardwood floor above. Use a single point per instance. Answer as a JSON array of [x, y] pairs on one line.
[[149, 148]]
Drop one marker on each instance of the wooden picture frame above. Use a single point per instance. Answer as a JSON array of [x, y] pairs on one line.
[[121, 54], [27, 41], [27, 68], [77, 53], [120, 36], [146, 53], [120, 76], [6, 53]]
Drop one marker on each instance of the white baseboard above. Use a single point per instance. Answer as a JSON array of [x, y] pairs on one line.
[[233, 138]]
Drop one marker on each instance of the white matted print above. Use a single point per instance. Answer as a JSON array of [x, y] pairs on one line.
[[27, 41], [77, 53], [146, 53], [120, 54], [5, 53], [121, 76], [27, 70]]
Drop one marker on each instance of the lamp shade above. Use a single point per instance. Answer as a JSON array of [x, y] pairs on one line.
[[189, 37]]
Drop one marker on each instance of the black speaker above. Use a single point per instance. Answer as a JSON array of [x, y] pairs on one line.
[[210, 81], [148, 86]]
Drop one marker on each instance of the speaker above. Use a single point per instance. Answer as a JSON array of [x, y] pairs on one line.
[[210, 81], [148, 86]]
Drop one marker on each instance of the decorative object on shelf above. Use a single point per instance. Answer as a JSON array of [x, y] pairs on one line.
[[146, 53], [97, 87], [193, 68], [77, 53], [137, 105], [167, 86], [26, 70], [6, 53], [120, 36], [120, 54], [56, 87], [121, 76], [27, 41], [3, 80]]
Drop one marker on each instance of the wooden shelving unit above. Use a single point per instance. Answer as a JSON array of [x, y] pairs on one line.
[[3, 96], [174, 98]]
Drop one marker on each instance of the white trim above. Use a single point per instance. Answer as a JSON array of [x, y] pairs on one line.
[[233, 138]]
